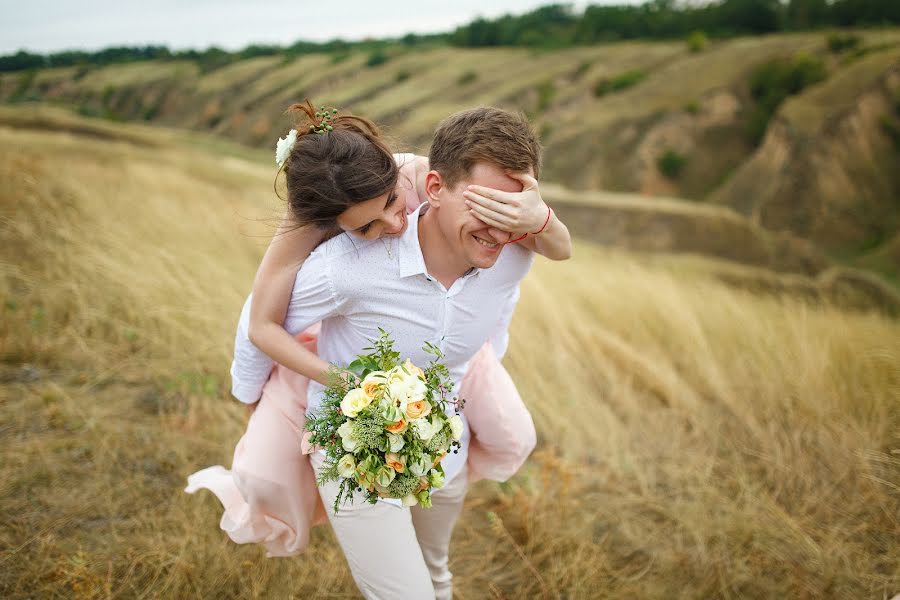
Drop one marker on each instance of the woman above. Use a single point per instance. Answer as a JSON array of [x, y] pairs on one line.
[[342, 177]]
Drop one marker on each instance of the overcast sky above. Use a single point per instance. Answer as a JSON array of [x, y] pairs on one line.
[[43, 26]]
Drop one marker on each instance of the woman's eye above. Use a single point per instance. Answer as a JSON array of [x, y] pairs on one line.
[[391, 199], [365, 229]]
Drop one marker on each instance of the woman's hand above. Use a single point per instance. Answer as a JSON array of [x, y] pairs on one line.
[[514, 212]]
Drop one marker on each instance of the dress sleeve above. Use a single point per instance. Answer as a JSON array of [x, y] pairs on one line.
[[312, 300]]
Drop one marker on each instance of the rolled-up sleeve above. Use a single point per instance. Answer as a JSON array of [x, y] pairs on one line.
[[312, 300]]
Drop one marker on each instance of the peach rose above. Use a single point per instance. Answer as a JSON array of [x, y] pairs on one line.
[[424, 483], [397, 426], [372, 384], [395, 461], [419, 408], [414, 369], [438, 459]]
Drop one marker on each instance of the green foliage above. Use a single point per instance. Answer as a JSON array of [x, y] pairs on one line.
[[618, 83], [670, 163], [402, 76], [582, 69], [838, 42], [774, 81], [692, 107], [86, 110], [377, 57], [467, 78], [339, 57], [107, 96], [25, 81], [551, 26], [546, 92], [697, 41]]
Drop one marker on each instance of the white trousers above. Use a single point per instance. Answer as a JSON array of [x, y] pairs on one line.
[[397, 551]]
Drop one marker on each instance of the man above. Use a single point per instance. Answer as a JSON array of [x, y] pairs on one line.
[[450, 279]]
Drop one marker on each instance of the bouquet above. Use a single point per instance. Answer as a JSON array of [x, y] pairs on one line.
[[384, 426]]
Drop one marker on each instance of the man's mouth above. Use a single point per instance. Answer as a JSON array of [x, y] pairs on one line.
[[486, 243]]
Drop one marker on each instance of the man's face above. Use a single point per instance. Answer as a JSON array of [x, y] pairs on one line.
[[473, 240]]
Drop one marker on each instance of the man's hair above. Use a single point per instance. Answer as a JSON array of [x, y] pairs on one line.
[[483, 134]]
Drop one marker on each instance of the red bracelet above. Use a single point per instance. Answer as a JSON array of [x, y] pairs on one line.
[[545, 222], [522, 237]]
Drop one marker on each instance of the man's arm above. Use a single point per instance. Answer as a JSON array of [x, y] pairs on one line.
[[313, 299]]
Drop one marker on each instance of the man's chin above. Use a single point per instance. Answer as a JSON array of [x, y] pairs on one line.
[[482, 257]]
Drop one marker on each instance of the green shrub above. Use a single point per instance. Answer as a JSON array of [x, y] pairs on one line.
[[467, 78], [377, 57], [692, 107], [583, 68], [108, 93], [670, 163], [697, 41], [772, 82], [339, 57], [838, 42], [618, 83], [546, 92], [403, 76]]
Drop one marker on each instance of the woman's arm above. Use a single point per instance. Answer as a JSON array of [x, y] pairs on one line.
[[272, 290]]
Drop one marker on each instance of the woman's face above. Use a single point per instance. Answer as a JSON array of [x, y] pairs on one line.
[[373, 218]]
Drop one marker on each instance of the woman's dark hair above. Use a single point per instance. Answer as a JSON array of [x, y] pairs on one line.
[[327, 173]]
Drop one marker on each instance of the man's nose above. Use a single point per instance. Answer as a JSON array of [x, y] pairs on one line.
[[501, 236]]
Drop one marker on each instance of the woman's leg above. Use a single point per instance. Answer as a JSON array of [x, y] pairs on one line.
[[379, 543], [434, 527]]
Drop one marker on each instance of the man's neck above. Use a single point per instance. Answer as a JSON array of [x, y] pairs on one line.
[[441, 259]]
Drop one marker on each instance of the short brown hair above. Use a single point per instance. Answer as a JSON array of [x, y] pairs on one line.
[[483, 134], [328, 173]]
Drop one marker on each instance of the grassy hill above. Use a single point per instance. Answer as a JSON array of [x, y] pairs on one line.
[[640, 117], [693, 436]]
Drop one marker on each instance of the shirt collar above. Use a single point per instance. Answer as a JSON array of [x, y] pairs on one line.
[[409, 252]]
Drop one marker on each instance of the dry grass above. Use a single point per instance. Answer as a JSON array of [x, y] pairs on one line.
[[694, 441]]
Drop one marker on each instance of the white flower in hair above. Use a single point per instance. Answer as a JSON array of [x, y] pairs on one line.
[[284, 147]]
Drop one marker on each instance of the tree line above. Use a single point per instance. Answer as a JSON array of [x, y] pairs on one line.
[[555, 25]]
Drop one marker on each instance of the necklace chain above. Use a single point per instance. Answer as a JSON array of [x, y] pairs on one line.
[[387, 246]]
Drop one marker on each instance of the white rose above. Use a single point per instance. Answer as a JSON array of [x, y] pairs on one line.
[[348, 440], [396, 442], [347, 466], [410, 500], [456, 427], [421, 466], [398, 395], [355, 400], [284, 147], [425, 429]]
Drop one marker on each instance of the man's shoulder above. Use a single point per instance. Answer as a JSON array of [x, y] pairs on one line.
[[514, 261]]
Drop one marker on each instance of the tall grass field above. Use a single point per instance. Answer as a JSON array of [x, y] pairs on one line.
[[694, 440]]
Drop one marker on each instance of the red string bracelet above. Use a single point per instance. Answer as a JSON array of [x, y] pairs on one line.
[[522, 237]]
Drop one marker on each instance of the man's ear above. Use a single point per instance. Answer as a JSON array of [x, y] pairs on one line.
[[434, 183]]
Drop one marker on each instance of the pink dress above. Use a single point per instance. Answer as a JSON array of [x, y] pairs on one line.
[[270, 495]]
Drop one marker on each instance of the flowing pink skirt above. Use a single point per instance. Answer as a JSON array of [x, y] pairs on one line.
[[270, 495]]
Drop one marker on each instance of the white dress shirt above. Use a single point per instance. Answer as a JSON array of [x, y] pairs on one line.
[[354, 287]]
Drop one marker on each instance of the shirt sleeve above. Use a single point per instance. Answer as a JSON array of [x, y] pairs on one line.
[[312, 300], [500, 336]]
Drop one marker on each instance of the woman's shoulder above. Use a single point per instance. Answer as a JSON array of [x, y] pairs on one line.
[[406, 161]]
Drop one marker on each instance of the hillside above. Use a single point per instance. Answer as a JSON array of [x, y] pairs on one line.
[[608, 115], [693, 436]]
